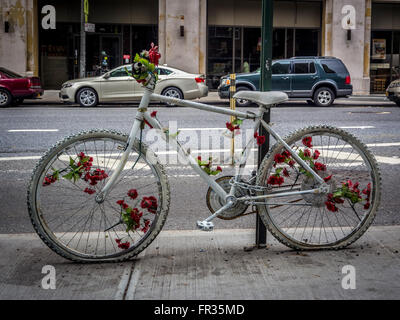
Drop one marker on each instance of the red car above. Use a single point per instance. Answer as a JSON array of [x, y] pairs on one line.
[[16, 88]]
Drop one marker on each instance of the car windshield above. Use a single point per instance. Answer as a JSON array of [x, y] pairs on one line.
[[9, 73]]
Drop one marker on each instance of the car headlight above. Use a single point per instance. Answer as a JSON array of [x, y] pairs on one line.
[[225, 82], [66, 85]]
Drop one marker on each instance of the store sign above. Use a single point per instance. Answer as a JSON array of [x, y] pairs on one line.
[[49, 20], [349, 20], [90, 27]]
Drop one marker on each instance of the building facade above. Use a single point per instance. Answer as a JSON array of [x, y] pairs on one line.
[[213, 37]]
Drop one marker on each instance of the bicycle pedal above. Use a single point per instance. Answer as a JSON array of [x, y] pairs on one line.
[[205, 225]]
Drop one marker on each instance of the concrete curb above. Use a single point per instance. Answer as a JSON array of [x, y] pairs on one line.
[[192, 264], [50, 97]]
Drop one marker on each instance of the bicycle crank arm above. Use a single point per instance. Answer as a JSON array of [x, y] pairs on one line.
[[206, 224]]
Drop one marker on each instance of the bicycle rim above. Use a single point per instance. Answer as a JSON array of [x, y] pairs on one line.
[[63, 206], [317, 221]]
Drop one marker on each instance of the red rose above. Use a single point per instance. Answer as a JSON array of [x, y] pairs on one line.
[[316, 154], [326, 179], [278, 158], [307, 142], [154, 55], [149, 203], [319, 166], [199, 158], [219, 169], [331, 206], [275, 180], [133, 194], [367, 205], [229, 126], [153, 114], [260, 140], [307, 153], [286, 173]]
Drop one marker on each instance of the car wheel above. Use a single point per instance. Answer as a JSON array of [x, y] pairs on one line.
[[5, 98], [172, 92], [242, 102], [324, 97], [87, 97]]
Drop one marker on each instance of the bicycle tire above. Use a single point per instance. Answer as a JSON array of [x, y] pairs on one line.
[[278, 231], [37, 211]]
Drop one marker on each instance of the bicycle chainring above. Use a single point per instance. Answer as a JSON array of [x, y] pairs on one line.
[[214, 202]]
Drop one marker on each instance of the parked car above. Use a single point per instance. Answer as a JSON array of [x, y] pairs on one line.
[[14, 88], [117, 85], [320, 79], [393, 90]]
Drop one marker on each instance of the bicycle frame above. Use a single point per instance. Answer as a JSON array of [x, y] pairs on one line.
[[142, 114]]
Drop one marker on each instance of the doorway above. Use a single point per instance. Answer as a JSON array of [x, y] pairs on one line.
[[96, 43]]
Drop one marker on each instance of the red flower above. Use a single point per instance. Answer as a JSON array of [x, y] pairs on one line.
[[229, 126], [149, 203], [219, 169], [291, 163], [124, 245], [122, 204], [260, 140], [307, 153], [319, 166], [326, 179], [331, 206], [146, 225], [275, 180], [279, 158], [154, 55], [307, 142], [89, 191], [286, 173], [367, 205], [153, 114], [133, 194], [286, 154], [316, 154], [199, 158]]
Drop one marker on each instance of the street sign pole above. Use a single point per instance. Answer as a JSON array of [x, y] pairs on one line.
[[82, 59], [266, 62]]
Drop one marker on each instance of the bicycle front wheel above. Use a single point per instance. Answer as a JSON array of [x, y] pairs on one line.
[[72, 222], [329, 220]]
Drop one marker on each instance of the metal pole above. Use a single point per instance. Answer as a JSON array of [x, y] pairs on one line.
[[232, 101], [82, 63], [266, 61]]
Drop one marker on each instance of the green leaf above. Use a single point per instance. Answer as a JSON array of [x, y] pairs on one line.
[[68, 176], [278, 171], [71, 161], [128, 210], [76, 176]]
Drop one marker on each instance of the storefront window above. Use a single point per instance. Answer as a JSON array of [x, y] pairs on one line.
[[381, 60], [220, 53], [307, 42], [242, 53]]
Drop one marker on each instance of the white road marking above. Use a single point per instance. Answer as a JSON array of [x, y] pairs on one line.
[[33, 130], [358, 127]]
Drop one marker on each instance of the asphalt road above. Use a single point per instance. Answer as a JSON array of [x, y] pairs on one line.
[[20, 147]]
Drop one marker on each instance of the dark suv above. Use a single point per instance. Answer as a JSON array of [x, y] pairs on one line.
[[320, 79]]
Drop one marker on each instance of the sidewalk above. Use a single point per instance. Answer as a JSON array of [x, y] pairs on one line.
[[51, 97], [207, 265]]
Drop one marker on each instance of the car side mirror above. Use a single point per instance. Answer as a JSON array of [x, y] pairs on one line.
[[106, 76]]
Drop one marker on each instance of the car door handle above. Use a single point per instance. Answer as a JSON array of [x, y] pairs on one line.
[[315, 77], [285, 78]]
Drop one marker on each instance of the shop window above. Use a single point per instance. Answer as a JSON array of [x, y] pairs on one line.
[[306, 42], [381, 60]]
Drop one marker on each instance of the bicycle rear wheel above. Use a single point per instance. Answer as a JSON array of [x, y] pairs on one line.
[[62, 198], [320, 221]]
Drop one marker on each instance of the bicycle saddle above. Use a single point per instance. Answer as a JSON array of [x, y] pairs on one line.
[[264, 98]]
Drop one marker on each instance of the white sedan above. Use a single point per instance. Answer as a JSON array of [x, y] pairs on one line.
[[117, 86]]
